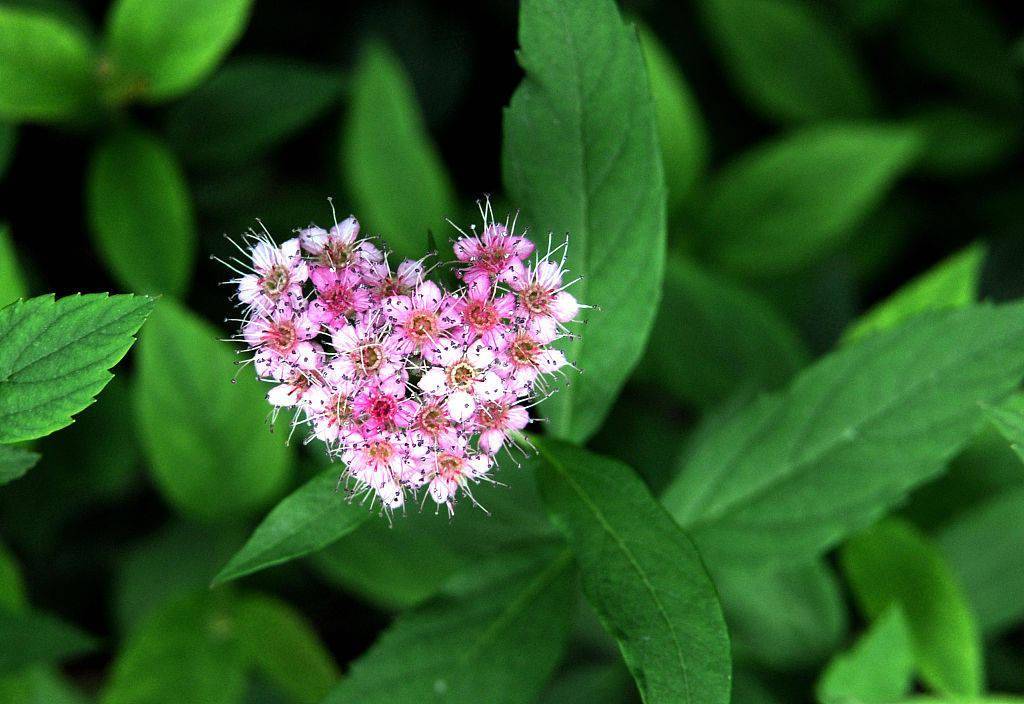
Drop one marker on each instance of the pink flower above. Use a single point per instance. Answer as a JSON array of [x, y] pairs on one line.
[[339, 248], [484, 316], [463, 377], [494, 256], [421, 320], [451, 468], [281, 340], [379, 462], [365, 350], [496, 419], [384, 284], [539, 294], [526, 355], [329, 409], [277, 275], [339, 296], [380, 406]]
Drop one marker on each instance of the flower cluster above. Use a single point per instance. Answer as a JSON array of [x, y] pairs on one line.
[[409, 384]]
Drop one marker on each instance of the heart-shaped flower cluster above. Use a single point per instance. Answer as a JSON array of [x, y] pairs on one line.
[[409, 384]]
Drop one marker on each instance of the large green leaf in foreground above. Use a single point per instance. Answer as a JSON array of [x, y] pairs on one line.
[[792, 474], [642, 575], [581, 157], [55, 356]]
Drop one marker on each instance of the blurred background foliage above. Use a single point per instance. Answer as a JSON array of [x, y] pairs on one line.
[[818, 157]]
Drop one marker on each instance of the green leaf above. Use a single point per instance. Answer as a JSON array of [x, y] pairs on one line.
[[32, 638], [498, 643], [787, 202], [56, 354], [392, 169], [983, 546], [892, 563], [792, 474], [785, 618], [8, 141], [642, 575], [601, 683], [12, 586], [1008, 419], [248, 107], [47, 68], [12, 283], [681, 131], [162, 49], [964, 142], [208, 441], [285, 649], [878, 669], [183, 653], [311, 518], [581, 156], [713, 339], [788, 64], [14, 462], [140, 214]]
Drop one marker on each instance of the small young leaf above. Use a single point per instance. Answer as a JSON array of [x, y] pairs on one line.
[[396, 178], [248, 107], [140, 214], [284, 649], [952, 283], [878, 669], [788, 63], [785, 203], [792, 474], [983, 546], [497, 643], [47, 67], [892, 563], [713, 339], [681, 131], [14, 462], [580, 157], [56, 354], [161, 49], [12, 283], [32, 638], [211, 450], [1008, 419], [311, 518], [642, 575]]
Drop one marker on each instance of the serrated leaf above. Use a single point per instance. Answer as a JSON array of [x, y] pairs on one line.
[[159, 50], [247, 107], [892, 563], [311, 518], [211, 450], [787, 62], [12, 282], [953, 283], [792, 474], [681, 131], [497, 643], [878, 669], [983, 546], [641, 573], [785, 618], [787, 202], [713, 339], [398, 183], [284, 649], [47, 67], [33, 638], [14, 462], [140, 214], [56, 354], [580, 156]]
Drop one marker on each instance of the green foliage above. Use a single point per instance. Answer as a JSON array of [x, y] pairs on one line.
[[8, 142], [12, 283], [713, 339], [1008, 419], [878, 669], [159, 50], [140, 213], [783, 479], [248, 107], [311, 518], [498, 642], [787, 202], [892, 563], [55, 357], [14, 462], [642, 575], [47, 68], [211, 451], [787, 62], [32, 638], [580, 156], [392, 170]]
